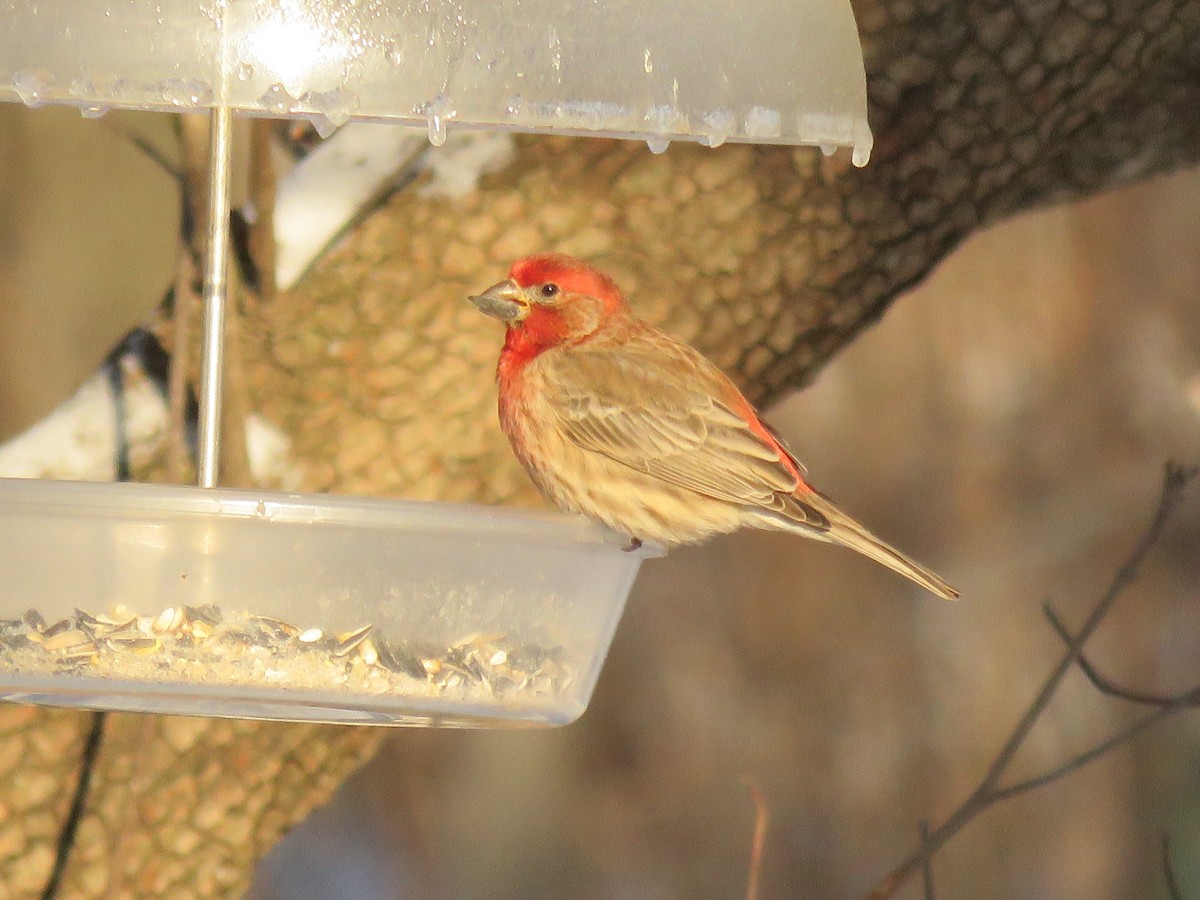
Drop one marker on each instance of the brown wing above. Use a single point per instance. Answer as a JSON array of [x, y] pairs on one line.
[[613, 401]]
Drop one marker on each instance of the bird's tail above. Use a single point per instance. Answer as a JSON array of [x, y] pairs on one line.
[[845, 531]]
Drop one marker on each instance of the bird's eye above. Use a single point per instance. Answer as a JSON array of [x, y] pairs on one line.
[[550, 290]]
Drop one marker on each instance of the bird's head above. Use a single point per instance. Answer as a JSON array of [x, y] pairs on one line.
[[550, 299]]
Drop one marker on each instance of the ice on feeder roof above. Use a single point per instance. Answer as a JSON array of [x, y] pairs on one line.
[[770, 71]]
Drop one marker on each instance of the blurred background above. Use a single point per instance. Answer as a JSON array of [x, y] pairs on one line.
[[1006, 424], [88, 234]]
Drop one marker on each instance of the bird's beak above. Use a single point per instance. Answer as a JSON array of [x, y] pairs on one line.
[[504, 301]]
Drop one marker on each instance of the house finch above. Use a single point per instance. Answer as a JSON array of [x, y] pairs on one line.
[[617, 420]]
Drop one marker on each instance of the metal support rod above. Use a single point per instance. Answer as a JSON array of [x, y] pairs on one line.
[[216, 265]]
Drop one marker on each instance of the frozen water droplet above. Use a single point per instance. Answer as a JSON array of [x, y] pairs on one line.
[[829, 149], [82, 88], [276, 99], [762, 122], [30, 87], [333, 109], [92, 111], [665, 119], [245, 72], [436, 126], [127, 90], [717, 126], [658, 144], [184, 93], [322, 125], [438, 112], [392, 52], [516, 103], [647, 62], [861, 154]]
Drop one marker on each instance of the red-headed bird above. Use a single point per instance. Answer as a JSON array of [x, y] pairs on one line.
[[619, 421]]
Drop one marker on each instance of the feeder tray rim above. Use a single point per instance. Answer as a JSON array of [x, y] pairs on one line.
[[137, 499]]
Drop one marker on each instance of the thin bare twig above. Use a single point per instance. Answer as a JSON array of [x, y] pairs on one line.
[[1173, 890], [987, 793], [1107, 686], [758, 842], [70, 828], [927, 866], [147, 149], [1082, 759]]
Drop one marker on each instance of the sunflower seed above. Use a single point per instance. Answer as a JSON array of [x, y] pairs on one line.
[[399, 659], [139, 645], [168, 620], [275, 629], [65, 640], [209, 613], [348, 641], [192, 642], [368, 652]]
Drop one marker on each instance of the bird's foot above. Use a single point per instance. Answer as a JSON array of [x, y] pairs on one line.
[[634, 544]]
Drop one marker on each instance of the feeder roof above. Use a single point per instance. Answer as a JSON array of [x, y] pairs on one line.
[[760, 71]]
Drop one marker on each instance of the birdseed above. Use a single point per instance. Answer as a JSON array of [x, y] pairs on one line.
[[203, 645]]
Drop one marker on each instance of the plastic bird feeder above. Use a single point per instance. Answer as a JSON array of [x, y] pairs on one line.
[[201, 600]]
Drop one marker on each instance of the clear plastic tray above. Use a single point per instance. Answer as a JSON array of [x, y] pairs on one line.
[[764, 71], [311, 608]]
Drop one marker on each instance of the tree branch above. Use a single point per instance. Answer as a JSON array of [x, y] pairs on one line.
[[1081, 759], [1175, 479], [758, 842], [1107, 686], [144, 146], [927, 865]]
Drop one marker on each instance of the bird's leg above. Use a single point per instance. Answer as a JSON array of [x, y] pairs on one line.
[[635, 543]]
